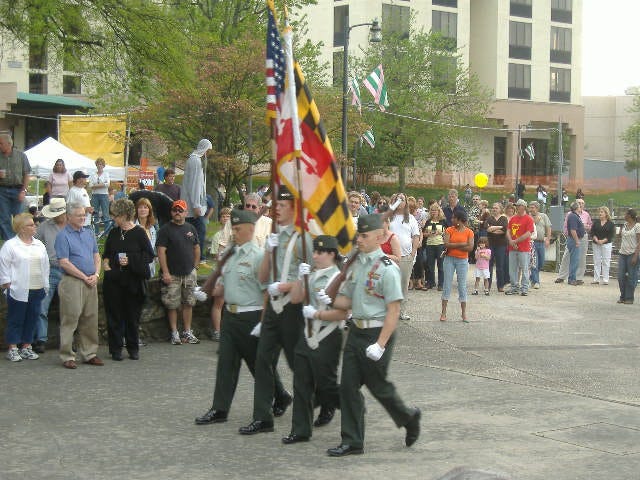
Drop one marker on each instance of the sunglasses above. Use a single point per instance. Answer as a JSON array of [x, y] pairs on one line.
[[382, 203], [253, 207], [177, 209]]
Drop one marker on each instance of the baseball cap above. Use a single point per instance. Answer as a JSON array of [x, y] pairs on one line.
[[79, 174], [179, 203]]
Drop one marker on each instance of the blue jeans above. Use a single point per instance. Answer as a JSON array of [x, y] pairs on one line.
[[201, 230], [42, 324], [22, 317], [9, 206], [499, 259], [461, 267], [627, 277], [535, 272], [519, 261], [432, 253], [574, 258], [100, 204]]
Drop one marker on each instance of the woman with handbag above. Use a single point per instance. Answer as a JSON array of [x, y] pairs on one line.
[[126, 257]]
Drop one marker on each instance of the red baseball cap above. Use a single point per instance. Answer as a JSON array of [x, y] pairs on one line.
[[180, 203]]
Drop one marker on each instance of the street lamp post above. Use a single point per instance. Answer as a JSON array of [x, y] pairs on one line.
[[375, 36]]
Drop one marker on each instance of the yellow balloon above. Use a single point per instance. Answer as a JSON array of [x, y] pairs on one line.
[[481, 180]]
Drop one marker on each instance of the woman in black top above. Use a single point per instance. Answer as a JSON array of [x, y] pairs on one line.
[[496, 227], [602, 232], [126, 258]]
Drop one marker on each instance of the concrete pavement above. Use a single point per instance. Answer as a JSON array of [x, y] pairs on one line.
[[538, 387]]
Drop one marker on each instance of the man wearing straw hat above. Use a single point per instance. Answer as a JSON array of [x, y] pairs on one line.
[[56, 214]]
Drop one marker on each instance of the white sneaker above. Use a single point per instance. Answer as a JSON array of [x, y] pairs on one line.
[[404, 316], [189, 337], [28, 354], [13, 355], [175, 339], [536, 286]]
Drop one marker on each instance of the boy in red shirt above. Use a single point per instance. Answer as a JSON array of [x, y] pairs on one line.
[[519, 233]]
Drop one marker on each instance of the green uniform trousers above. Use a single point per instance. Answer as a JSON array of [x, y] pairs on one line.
[[236, 344], [358, 370], [279, 332], [315, 375]]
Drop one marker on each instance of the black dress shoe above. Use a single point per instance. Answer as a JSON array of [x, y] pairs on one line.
[[38, 347], [134, 355], [117, 356], [212, 416], [281, 404], [413, 428], [325, 417], [342, 450], [257, 426], [293, 438]]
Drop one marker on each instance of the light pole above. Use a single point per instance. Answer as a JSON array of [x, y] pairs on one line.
[[375, 36]]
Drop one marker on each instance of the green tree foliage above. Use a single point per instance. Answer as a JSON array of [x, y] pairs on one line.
[[426, 80]]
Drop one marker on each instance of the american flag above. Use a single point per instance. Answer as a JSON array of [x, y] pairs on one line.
[[275, 64]]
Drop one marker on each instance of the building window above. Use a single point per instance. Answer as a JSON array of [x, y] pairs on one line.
[[520, 40], [37, 54], [71, 85], [499, 159], [540, 165], [560, 45], [446, 3], [38, 83], [444, 74], [395, 20], [340, 20], [560, 88], [520, 8], [337, 68], [561, 11], [446, 23], [519, 81]]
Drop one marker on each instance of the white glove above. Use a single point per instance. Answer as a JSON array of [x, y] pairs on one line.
[[303, 269], [256, 330], [323, 297], [309, 311], [374, 352], [272, 242], [199, 294], [273, 289]]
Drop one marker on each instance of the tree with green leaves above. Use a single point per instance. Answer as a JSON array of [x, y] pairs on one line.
[[631, 139], [431, 93]]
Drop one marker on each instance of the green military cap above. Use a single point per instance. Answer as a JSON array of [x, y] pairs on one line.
[[325, 242], [368, 223], [242, 216], [284, 193]]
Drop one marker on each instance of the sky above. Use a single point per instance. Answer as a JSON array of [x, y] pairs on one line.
[[610, 46]]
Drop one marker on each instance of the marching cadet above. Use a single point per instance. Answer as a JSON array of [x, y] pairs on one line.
[[374, 293], [282, 324], [243, 296], [317, 353]]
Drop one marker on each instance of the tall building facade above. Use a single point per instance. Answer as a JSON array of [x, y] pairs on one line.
[[526, 52]]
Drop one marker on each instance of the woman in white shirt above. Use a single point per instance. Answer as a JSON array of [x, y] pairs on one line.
[[145, 218], [24, 275], [406, 228]]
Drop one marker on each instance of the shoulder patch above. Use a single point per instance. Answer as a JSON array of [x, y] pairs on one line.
[[386, 260]]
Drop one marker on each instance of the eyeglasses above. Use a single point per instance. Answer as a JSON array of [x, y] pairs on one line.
[[253, 207], [177, 209]]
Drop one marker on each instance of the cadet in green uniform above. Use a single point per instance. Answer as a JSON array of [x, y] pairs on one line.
[[243, 296], [318, 350], [373, 292], [282, 323]]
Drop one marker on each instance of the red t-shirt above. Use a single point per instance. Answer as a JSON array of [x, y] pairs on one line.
[[518, 226]]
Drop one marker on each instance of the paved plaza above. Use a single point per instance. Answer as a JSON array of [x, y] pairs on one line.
[[537, 387]]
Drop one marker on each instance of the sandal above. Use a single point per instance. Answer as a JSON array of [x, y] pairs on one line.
[[443, 318], [464, 320]]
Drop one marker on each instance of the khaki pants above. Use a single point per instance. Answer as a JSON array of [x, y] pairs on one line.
[[78, 311]]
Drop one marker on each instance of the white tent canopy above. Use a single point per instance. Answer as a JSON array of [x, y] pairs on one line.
[[43, 156]]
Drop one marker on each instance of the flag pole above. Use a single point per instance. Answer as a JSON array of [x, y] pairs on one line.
[[297, 142]]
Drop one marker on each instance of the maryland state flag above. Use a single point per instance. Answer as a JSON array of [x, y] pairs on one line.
[[300, 131]]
